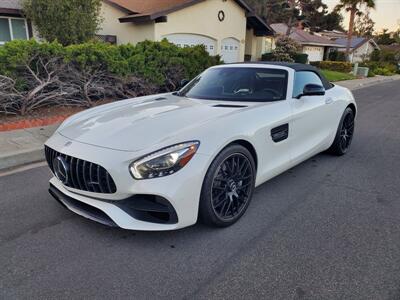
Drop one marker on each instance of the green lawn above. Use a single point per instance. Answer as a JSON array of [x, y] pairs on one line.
[[337, 76]]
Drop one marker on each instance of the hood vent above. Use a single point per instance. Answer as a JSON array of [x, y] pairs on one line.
[[160, 99], [229, 106]]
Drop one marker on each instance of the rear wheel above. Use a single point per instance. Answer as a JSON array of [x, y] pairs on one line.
[[228, 187], [344, 135]]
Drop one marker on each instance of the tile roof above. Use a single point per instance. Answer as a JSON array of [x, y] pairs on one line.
[[303, 37]]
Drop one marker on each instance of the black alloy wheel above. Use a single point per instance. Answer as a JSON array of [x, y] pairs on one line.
[[231, 186], [345, 133], [228, 187]]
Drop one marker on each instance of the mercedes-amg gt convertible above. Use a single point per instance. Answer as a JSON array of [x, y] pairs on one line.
[[162, 162]]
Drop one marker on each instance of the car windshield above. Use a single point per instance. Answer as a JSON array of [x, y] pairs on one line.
[[238, 84]]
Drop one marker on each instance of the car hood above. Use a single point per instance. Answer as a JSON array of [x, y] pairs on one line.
[[140, 123]]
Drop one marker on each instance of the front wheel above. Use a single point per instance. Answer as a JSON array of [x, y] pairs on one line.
[[228, 187], [344, 134]]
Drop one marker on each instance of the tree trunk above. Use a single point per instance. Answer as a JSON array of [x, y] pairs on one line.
[[289, 26], [290, 21], [350, 33]]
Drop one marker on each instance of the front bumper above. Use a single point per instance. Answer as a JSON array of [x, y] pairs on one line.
[[177, 195]]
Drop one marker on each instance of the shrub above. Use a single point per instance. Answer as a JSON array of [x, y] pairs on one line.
[[69, 22], [336, 55], [337, 66], [383, 71], [155, 60], [35, 74], [267, 56], [381, 68], [375, 55], [298, 57], [389, 56], [286, 50], [301, 58], [371, 73]]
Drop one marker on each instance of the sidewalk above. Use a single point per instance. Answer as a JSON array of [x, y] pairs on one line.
[[365, 82], [25, 146]]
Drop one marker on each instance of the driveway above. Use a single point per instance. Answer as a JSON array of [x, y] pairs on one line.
[[327, 229]]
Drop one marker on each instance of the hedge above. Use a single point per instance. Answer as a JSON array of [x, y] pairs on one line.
[[301, 58], [33, 74], [150, 60], [338, 66], [380, 68]]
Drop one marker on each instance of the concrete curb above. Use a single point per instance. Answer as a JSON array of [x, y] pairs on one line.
[[21, 158]]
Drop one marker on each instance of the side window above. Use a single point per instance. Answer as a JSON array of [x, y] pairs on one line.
[[302, 78]]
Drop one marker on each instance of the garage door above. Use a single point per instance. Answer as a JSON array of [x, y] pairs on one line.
[[230, 49], [314, 53], [187, 40]]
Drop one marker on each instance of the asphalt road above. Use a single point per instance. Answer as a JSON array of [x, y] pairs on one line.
[[327, 229]]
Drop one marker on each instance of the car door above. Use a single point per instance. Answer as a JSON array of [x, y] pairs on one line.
[[272, 118], [310, 124]]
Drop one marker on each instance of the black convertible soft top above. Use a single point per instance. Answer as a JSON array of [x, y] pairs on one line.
[[297, 67]]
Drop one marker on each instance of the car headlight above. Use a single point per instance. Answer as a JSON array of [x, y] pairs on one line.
[[164, 162]]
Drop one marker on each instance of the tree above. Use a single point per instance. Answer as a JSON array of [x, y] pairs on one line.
[[317, 18], [384, 38], [364, 25], [353, 6], [332, 21], [273, 11], [285, 49], [68, 22], [312, 13]]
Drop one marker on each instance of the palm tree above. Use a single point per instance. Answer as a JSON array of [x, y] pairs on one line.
[[353, 7]]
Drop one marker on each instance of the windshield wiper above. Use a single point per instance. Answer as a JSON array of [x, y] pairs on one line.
[[177, 93]]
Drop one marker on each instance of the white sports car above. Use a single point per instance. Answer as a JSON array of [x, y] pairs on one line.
[[162, 162]]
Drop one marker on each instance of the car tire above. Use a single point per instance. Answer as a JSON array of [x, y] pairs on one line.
[[228, 187], [344, 134]]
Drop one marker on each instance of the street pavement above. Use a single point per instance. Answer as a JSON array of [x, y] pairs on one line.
[[326, 229]]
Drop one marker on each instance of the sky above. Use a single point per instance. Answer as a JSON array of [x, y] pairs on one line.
[[385, 15]]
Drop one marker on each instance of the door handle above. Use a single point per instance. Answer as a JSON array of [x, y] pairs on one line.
[[328, 100]]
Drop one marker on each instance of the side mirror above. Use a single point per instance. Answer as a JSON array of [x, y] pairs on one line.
[[183, 83], [312, 90]]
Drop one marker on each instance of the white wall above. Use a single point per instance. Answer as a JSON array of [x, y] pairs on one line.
[[202, 19], [315, 53], [125, 32], [362, 53]]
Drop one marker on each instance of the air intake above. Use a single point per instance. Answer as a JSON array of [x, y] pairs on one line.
[[83, 175]]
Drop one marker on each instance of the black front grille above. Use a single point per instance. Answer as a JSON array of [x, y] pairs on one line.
[[83, 175]]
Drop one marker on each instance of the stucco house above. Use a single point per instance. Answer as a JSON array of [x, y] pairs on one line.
[[12, 23], [229, 28], [360, 48], [317, 47]]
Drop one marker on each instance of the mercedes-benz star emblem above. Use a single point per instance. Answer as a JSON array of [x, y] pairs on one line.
[[60, 167]]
